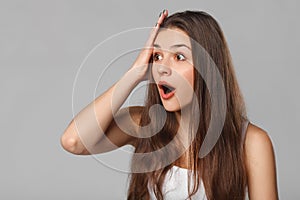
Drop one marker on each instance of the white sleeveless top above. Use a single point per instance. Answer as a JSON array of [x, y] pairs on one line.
[[175, 186]]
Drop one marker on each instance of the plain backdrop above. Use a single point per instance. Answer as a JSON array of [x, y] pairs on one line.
[[43, 45]]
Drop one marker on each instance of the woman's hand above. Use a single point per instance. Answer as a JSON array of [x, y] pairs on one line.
[[141, 64]]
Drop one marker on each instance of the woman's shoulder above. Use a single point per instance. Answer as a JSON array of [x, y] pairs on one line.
[[257, 141], [256, 136]]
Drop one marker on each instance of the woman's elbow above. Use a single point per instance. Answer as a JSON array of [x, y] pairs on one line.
[[70, 144]]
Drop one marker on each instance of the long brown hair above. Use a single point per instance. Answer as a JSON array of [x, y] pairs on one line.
[[222, 170]]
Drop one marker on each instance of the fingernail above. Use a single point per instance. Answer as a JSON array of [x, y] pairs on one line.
[[156, 24], [164, 11], [160, 14]]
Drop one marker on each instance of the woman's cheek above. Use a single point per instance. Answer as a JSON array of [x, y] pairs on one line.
[[154, 72]]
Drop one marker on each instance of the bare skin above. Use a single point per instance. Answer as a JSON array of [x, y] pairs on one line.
[[84, 137], [261, 164]]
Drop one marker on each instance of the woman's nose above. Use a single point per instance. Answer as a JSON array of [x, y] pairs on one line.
[[164, 68]]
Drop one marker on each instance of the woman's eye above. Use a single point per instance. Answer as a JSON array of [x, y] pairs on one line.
[[180, 57], [157, 57]]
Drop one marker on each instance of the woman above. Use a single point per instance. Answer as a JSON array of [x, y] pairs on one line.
[[184, 60]]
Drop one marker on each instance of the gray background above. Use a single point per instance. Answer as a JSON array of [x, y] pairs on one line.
[[43, 44]]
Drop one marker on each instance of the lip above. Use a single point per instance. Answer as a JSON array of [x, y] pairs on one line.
[[161, 91]]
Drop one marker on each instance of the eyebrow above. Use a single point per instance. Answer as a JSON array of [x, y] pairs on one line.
[[174, 46]]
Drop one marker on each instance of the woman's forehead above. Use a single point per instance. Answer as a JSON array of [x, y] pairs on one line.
[[170, 37]]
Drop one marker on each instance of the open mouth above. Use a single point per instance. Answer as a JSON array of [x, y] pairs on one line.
[[166, 88]]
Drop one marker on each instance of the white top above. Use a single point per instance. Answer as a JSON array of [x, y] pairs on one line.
[[175, 186]]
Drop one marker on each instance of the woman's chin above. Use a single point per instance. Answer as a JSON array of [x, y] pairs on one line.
[[171, 107]]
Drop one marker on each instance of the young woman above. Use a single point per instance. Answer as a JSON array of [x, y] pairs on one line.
[[188, 65]]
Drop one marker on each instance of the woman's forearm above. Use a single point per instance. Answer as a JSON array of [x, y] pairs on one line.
[[89, 125], [108, 104]]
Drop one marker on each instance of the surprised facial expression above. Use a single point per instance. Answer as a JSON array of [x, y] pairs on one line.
[[172, 69]]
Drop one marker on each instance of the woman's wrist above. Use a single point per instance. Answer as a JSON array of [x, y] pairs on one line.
[[134, 76]]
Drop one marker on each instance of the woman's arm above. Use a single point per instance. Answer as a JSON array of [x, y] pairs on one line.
[[261, 165], [85, 133]]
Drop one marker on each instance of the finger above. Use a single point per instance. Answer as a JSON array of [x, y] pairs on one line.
[[162, 16]]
